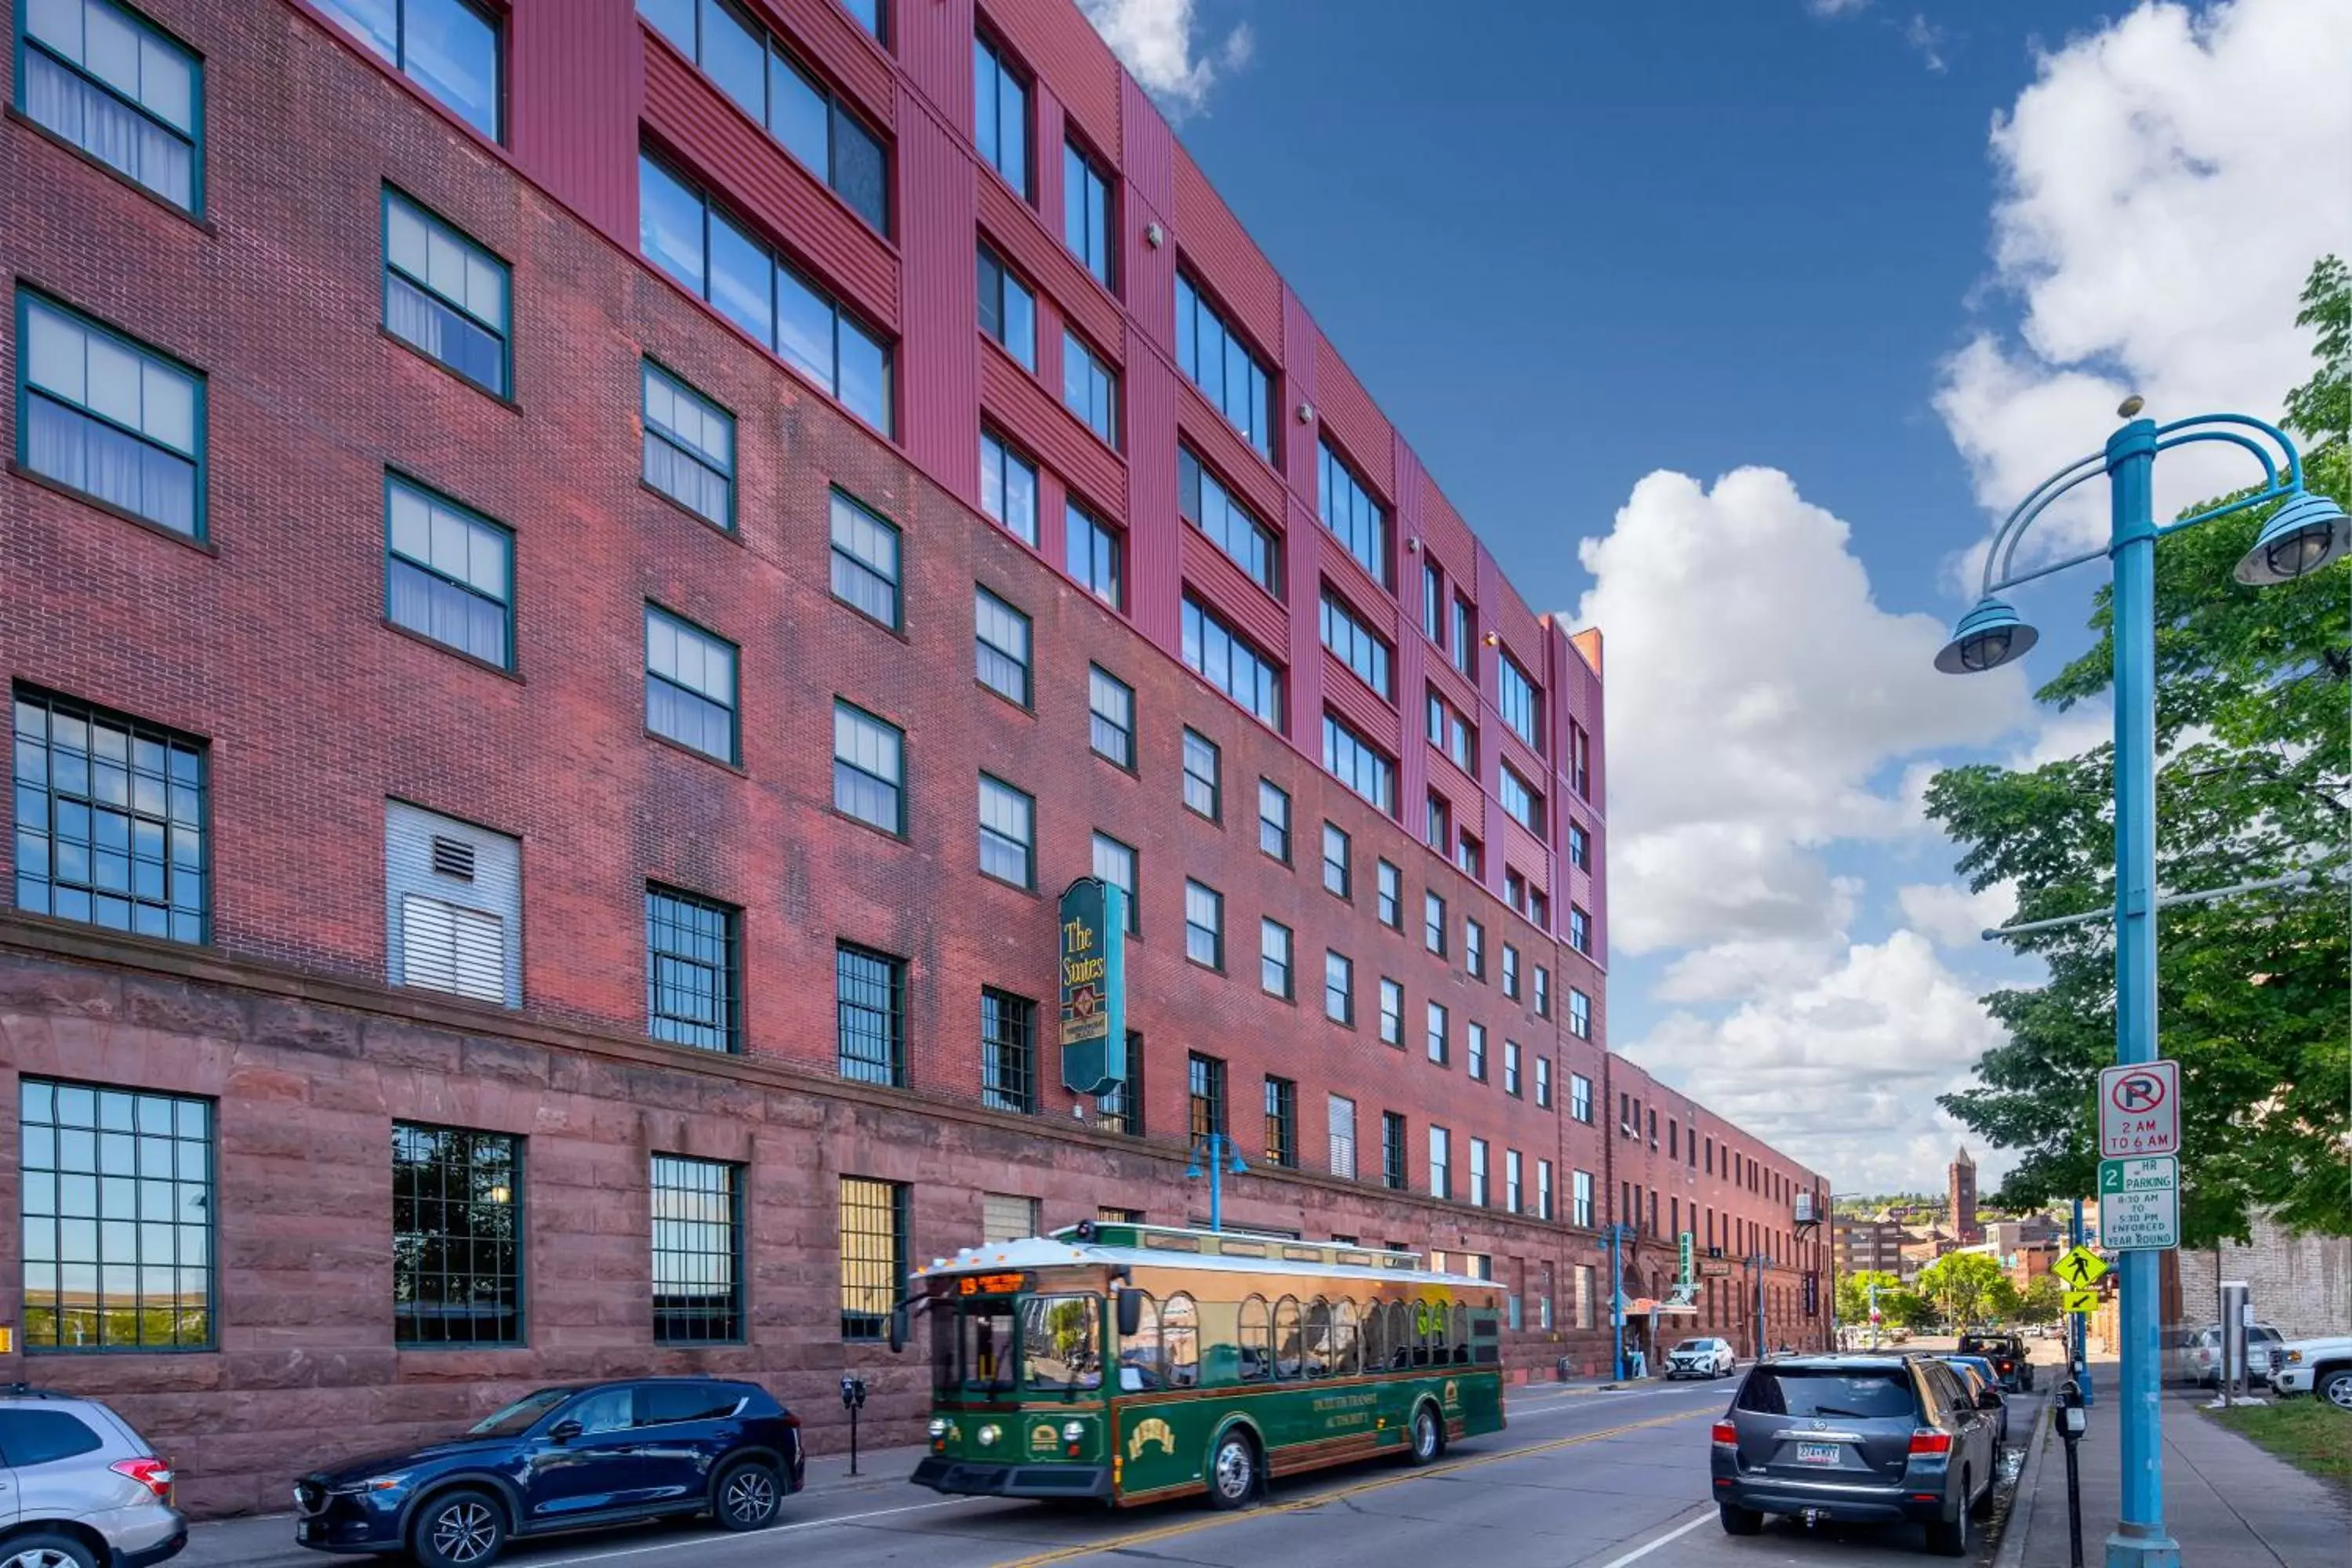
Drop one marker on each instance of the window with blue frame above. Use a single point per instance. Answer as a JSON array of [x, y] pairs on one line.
[[689, 446], [111, 820], [681, 231], [1364, 768], [1360, 647], [107, 81], [1521, 704], [1227, 660], [1524, 805], [1208, 506], [1008, 488], [445, 296], [690, 685], [110, 419], [448, 573], [769, 83], [1008, 309], [1000, 113], [1090, 388], [1218, 361], [1093, 554], [1350, 512], [451, 49], [1087, 213]]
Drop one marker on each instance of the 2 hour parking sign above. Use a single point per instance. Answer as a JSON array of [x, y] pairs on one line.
[[2139, 1109]]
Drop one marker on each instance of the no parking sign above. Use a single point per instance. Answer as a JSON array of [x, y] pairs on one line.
[[2139, 1109]]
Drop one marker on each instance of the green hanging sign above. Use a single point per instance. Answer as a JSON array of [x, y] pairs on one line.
[[1688, 1254], [1094, 986]]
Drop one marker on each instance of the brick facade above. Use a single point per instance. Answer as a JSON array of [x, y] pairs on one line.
[[2299, 1283]]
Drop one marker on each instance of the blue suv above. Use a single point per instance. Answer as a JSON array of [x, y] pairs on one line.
[[564, 1459]]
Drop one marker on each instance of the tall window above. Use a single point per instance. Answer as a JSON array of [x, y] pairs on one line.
[[1008, 311], [999, 646], [1201, 766], [1513, 1197], [1233, 378], [1511, 1067], [1520, 704], [1543, 1083], [870, 1015], [1432, 923], [1580, 760], [1452, 733], [1579, 930], [1474, 1035], [1579, 846], [1358, 646], [1232, 527], [1510, 972], [110, 419], [865, 561], [1204, 925], [1089, 387], [1579, 1099], [1281, 1121], [448, 573], [1008, 488], [694, 975], [1474, 949], [1341, 1118], [1391, 1012], [1087, 226], [1440, 1048], [1339, 862], [1543, 992], [1580, 1198], [1226, 660], [1350, 512], [690, 685], [1008, 1051], [445, 295], [1274, 948], [1438, 823], [1110, 716], [1338, 987], [873, 1254], [689, 446], [1392, 1150], [1354, 762], [1524, 807], [1465, 637], [1471, 855], [1432, 603], [112, 819], [697, 1215], [1441, 1163], [104, 79], [448, 47], [1008, 819], [1114, 862], [1543, 1194], [456, 1236], [1580, 1013], [1479, 1172], [1389, 896], [1274, 820], [694, 240], [93, 1161], [1205, 1084], [868, 768], [816, 125], [1120, 1110], [1094, 554], [1000, 114]]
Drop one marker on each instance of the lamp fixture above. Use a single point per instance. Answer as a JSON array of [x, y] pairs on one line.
[[2306, 534], [1154, 236], [1986, 638], [1307, 414]]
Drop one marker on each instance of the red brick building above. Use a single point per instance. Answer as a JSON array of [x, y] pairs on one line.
[[580, 576]]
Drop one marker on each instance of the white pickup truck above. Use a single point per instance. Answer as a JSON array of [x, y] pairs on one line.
[[2322, 1366]]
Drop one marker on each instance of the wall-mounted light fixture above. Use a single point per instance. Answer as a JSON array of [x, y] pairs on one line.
[[1154, 236]]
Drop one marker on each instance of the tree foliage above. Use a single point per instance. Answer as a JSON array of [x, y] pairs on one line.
[[2042, 1300], [2255, 781], [1961, 1285], [1853, 1294]]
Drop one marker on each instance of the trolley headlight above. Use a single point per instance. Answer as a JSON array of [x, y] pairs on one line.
[[938, 1427], [1073, 1431], [988, 1435]]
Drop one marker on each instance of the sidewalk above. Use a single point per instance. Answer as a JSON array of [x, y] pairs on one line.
[[2227, 1503]]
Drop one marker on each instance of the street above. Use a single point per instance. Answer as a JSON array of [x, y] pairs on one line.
[[1579, 1480]]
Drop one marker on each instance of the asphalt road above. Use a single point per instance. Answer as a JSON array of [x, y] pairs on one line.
[[1579, 1480]]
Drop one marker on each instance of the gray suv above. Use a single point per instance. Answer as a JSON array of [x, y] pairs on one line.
[[79, 1488], [1867, 1438]]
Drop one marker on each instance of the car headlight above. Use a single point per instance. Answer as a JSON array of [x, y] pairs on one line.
[[938, 1427], [390, 1483], [2293, 1358], [988, 1435], [1073, 1431]]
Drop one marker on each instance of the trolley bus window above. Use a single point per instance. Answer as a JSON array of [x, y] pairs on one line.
[[1318, 1337], [972, 1350], [1180, 1340], [1342, 1361], [1286, 1338], [1256, 1344], [1060, 1344]]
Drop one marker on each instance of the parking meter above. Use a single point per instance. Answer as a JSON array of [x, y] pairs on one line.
[[2073, 1420], [853, 1399]]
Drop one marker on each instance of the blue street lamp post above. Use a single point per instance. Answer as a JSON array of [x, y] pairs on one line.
[[1221, 1157], [2305, 533], [1617, 1236]]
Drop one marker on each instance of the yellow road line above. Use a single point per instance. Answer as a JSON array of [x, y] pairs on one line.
[[1451, 1467]]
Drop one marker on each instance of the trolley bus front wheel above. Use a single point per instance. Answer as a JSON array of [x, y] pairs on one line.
[[1425, 1440], [1232, 1470]]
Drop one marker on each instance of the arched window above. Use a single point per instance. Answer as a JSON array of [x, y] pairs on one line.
[[1461, 1336], [1344, 1362], [1179, 1342], [1318, 1339], [1257, 1341], [1429, 1321], [1286, 1338], [1141, 1365], [1376, 1336]]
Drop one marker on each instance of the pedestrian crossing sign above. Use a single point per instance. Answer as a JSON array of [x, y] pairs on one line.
[[2079, 1301], [2079, 1268]]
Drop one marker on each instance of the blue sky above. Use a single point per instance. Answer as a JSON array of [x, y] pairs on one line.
[[1886, 264]]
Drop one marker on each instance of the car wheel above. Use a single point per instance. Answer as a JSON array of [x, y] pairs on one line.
[[1949, 1537], [749, 1493], [463, 1529], [1232, 1472], [1425, 1439], [2334, 1387], [47, 1551], [1739, 1520]]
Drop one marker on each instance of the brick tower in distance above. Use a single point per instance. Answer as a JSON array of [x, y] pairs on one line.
[[1960, 1194]]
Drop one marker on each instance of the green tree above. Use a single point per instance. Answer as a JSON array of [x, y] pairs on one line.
[[1853, 1294], [2040, 1302], [2255, 781], [1961, 1285], [2003, 1302], [1906, 1310]]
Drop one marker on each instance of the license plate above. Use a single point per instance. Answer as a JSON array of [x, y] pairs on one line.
[[1818, 1453], [306, 1531]]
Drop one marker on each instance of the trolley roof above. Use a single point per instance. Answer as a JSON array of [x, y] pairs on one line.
[[1102, 1244]]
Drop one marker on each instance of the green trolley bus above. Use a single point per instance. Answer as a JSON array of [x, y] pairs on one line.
[[1133, 1363]]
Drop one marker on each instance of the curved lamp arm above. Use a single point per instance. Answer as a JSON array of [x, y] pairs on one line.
[[2013, 527]]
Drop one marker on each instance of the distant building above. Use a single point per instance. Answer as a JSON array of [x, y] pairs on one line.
[[1960, 1198], [1869, 1244]]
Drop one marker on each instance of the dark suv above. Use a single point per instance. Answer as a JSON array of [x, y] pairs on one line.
[[563, 1459], [2007, 1353], [1869, 1438]]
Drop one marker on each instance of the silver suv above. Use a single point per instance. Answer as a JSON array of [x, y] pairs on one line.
[[79, 1488]]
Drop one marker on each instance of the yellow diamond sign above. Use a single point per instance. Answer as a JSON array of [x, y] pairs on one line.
[[2079, 1301], [2080, 1267]]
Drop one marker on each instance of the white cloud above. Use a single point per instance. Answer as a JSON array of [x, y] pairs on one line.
[[1926, 41], [1836, 7], [1952, 916], [1155, 39], [1755, 690], [1842, 1070], [2166, 183]]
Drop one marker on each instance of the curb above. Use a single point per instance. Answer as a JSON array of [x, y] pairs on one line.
[[2015, 1529]]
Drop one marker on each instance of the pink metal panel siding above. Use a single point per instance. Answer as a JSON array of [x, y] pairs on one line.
[[1153, 527], [933, 40], [1443, 533], [748, 172], [1013, 400], [1298, 340], [1350, 419], [1058, 44], [575, 85], [1220, 445], [1010, 227], [1353, 587], [1523, 853], [1302, 548], [822, 34], [1220, 584], [1225, 263], [938, 358], [1351, 698]]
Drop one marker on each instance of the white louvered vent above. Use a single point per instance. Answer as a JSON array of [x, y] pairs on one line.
[[444, 948]]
